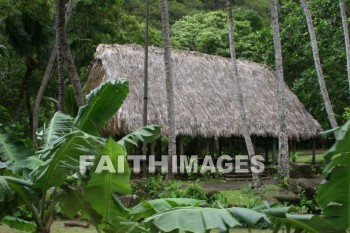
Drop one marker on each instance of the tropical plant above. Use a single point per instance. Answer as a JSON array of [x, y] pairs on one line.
[[41, 179], [332, 197]]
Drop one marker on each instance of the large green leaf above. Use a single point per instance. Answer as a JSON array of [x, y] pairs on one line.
[[101, 104], [184, 214], [23, 192], [101, 186], [342, 144], [334, 192], [6, 193], [13, 152], [19, 224], [63, 157], [148, 208], [307, 222], [60, 125], [193, 219], [146, 134], [71, 201]]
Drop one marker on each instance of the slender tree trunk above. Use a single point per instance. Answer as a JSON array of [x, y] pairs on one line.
[[239, 96], [60, 32], [145, 89], [23, 91], [45, 79], [283, 155], [29, 111], [346, 35], [318, 66], [73, 74], [169, 87]]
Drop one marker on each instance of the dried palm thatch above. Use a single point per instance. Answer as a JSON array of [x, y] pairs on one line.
[[204, 95]]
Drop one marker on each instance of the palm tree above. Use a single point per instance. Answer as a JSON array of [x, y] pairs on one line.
[[318, 66], [60, 32], [283, 160], [169, 87], [237, 84], [46, 78], [31, 40], [346, 35]]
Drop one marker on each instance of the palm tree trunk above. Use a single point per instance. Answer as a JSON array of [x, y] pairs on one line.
[[346, 35], [283, 155], [60, 32], [237, 84], [318, 66], [45, 79], [23, 91], [145, 89], [169, 87], [73, 73]]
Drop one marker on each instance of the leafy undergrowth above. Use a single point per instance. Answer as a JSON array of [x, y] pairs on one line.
[[58, 227], [248, 198]]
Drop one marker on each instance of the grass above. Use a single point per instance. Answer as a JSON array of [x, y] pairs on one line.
[[308, 158]]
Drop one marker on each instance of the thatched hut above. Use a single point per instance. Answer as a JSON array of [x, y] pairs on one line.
[[205, 103]]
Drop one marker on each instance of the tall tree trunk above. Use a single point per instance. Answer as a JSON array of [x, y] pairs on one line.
[[346, 35], [145, 89], [23, 91], [318, 66], [73, 74], [239, 96], [60, 28], [169, 87], [283, 156], [45, 79]]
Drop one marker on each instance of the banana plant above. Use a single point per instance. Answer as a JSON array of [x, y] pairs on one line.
[[52, 172], [333, 196]]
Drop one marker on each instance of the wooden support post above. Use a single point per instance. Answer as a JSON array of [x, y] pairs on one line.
[[152, 149], [144, 163], [313, 151], [220, 146], [274, 150], [207, 146], [266, 151], [216, 145], [159, 148], [254, 142], [181, 145], [294, 146]]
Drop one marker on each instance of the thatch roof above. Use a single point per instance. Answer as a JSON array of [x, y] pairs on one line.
[[204, 95]]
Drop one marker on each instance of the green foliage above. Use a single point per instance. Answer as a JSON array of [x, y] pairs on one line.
[[53, 171], [204, 219], [19, 224], [146, 134], [107, 98], [208, 33], [195, 191], [346, 114]]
